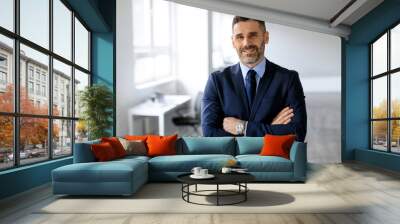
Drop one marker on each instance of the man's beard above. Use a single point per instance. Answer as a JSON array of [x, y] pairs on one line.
[[254, 56]]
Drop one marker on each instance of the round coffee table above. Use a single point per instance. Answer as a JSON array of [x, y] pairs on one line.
[[238, 179]]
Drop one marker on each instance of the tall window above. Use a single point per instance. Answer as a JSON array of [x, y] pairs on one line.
[[385, 91], [152, 40], [40, 58]]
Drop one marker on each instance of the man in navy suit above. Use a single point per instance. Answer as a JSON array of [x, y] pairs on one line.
[[254, 97]]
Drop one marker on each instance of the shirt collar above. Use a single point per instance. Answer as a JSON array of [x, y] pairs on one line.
[[259, 68]]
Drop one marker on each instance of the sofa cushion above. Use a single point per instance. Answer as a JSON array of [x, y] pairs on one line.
[[111, 171], [257, 163], [249, 145], [206, 145], [103, 152], [131, 158], [136, 137], [185, 163], [277, 145], [134, 147], [116, 145], [161, 145]]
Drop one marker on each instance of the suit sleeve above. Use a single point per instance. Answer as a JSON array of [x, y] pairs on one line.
[[211, 111], [298, 125]]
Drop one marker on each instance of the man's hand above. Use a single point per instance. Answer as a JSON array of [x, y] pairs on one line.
[[284, 117], [229, 124]]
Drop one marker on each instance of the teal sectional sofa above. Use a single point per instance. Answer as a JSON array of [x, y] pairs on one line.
[[125, 176]]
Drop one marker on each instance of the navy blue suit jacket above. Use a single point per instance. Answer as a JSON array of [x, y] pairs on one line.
[[225, 96]]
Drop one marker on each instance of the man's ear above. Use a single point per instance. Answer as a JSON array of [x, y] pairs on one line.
[[233, 42], [266, 37]]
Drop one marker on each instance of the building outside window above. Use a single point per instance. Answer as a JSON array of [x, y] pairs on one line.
[[3, 72], [30, 87], [30, 72], [43, 90], [38, 89]]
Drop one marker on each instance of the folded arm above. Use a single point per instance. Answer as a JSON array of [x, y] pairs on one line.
[[297, 125]]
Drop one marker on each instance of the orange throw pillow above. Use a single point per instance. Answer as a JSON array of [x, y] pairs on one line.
[[116, 145], [103, 152], [277, 145], [136, 137], [161, 145]]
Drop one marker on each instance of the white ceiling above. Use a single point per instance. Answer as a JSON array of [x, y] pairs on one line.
[[319, 9], [314, 15]]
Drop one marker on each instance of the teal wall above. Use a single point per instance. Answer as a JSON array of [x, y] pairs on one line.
[[99, 16], [104, 52], [356, 85], [24, 178]]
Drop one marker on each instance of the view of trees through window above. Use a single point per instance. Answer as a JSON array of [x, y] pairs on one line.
[[385, 91], [39, 112]]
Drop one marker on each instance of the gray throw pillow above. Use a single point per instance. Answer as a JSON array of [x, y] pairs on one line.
[[134, 147]]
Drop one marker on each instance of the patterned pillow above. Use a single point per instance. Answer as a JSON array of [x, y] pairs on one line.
[[134, 147]]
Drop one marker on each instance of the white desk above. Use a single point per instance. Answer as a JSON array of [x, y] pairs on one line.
[[156, 109]]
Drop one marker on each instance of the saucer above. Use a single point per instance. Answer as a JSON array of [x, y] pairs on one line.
[[208, 176]]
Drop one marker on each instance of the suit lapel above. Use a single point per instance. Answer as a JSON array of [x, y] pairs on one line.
[[262, 88], [239, 87]]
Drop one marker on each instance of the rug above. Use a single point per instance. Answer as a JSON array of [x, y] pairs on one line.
[[167, 198]]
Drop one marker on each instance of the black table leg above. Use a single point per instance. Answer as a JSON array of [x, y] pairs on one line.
[[217, 194], [245, 193]]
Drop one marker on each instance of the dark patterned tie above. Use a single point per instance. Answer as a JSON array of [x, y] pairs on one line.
[[251, 85]]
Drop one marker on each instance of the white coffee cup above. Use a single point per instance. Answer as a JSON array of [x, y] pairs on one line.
[[196, 170], [203, 172], [226, 170]]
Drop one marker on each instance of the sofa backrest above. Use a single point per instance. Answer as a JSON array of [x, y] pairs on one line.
[[83, 152], [206, 145], [249, 145]]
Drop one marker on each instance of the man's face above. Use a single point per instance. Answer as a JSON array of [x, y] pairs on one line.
[[249, 40]]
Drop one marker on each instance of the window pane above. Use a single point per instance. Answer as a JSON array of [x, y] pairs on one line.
[[141, 23], [62, 89], [163, 68], [161, 23], [35, 21], [81, 81], [7, 14], [395, 129], [379, 135], [379, 97], [6, 74], [395, 47], [62, 29], [6, 142], [33, 139], [62, 138], [395, 94], [34, 72], [81, 45], [81, 131], [379, 55], [143, 69]]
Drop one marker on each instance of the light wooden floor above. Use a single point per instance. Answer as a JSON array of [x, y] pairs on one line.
[[378, 188]]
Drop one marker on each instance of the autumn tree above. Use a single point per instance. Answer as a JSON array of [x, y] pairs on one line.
[[33, 131], [380, 127]]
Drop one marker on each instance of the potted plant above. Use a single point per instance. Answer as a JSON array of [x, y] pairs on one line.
[[96, 102]]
